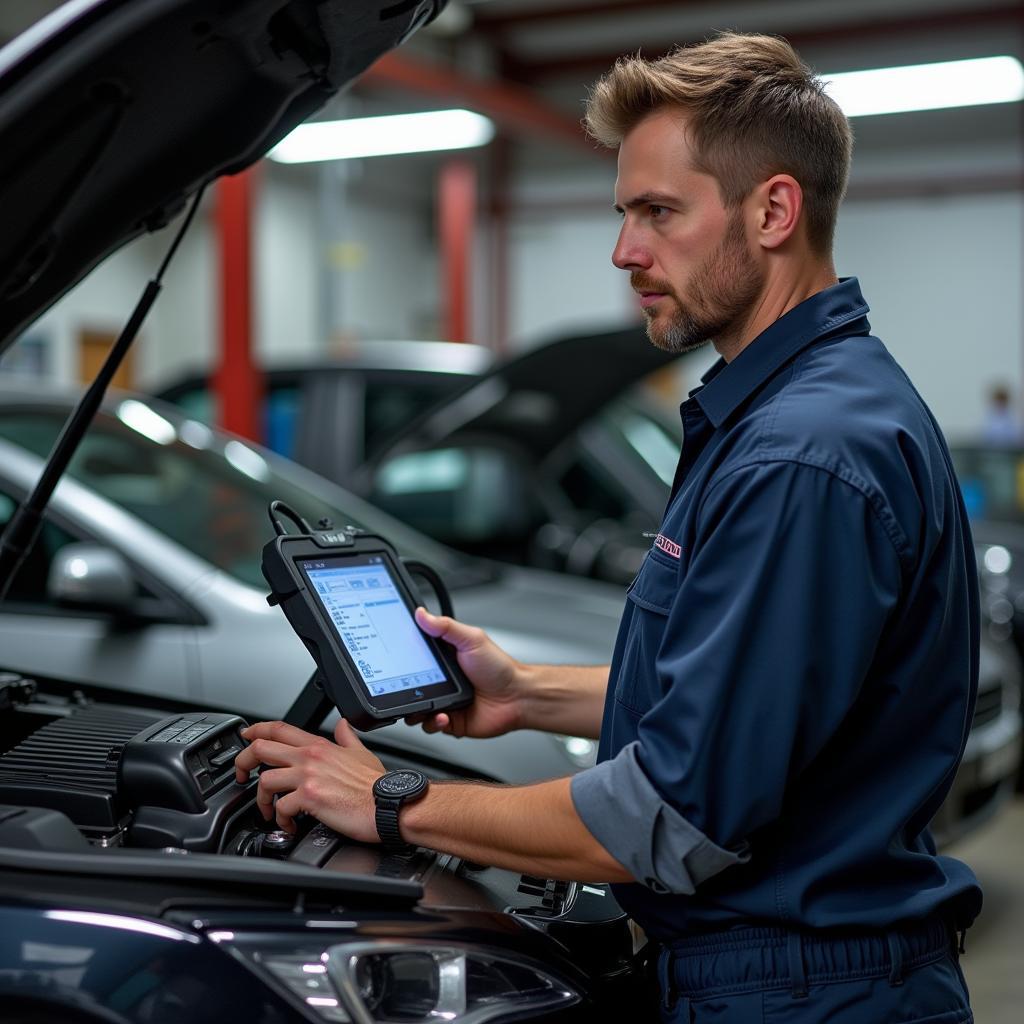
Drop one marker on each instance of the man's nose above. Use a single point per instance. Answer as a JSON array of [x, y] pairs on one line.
[[629, 254]]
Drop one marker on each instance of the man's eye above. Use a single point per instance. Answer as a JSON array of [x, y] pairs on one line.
[[657, 212]]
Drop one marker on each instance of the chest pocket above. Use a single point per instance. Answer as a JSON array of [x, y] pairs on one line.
[[651, 595]]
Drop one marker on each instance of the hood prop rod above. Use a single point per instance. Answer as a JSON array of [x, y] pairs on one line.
[[24, 526]]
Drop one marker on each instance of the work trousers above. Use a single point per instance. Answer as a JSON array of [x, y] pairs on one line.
[[772, 976]]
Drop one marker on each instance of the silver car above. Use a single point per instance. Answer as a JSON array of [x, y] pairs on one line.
[[148, 563]]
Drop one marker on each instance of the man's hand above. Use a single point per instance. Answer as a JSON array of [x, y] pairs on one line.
[[331, 781], [496, 677]]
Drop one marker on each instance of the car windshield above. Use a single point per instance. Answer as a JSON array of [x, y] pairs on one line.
[[992, 481], [644, 434], [207, 491]]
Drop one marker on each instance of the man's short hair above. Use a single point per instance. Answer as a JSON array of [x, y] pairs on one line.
[[753, 109]]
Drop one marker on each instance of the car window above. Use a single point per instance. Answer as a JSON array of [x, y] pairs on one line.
[[187, 482], [393, 401], [280, 412], [29, 585], [645, 436]]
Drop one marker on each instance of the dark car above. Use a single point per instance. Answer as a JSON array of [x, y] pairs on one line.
[[992, 480], [553, 458], [138, 882], [332, 414]]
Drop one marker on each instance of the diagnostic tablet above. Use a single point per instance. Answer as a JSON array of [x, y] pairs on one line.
[[351, 602]]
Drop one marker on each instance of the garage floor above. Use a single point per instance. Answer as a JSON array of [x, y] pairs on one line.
[[994, 964]]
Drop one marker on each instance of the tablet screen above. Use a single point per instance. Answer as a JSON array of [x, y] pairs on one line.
[[374, 623]]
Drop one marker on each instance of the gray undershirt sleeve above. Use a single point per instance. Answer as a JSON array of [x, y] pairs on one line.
[[649, 838]]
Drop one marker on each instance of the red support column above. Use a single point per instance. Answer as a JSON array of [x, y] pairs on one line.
[[457, 220], [237, 383], [501, 270]]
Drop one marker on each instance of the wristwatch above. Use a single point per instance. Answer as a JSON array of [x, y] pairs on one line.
[[390, 792]]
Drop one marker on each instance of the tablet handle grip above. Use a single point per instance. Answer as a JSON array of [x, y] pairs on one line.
[[424, 571]]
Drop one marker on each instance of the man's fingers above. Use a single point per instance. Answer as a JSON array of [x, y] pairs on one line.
[[273, 782], [430, 722], [287, 809], [263, 751], [458, 634], [280, 732]]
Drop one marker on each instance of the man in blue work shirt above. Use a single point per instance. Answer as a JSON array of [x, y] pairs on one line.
[[793, 677]]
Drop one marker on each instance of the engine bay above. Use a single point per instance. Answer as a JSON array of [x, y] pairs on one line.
[[78, 773]]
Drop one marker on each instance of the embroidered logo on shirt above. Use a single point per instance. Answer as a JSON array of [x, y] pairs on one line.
[[670, 547]]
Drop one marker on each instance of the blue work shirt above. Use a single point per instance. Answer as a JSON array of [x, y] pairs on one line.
[[797, 664]]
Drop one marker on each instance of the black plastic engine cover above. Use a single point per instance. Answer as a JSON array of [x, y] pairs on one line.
[[70, 765]]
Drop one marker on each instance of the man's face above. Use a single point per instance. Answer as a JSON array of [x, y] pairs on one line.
[[687, 255]]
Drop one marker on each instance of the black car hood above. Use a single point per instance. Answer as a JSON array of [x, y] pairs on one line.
[[113, 111], [540, 397]]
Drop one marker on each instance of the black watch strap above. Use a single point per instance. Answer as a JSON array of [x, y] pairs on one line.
[[387, 823]]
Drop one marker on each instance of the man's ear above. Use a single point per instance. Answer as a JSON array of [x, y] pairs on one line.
[[780, 203]]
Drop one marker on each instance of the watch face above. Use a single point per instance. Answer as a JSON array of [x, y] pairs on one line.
[[399, 783]]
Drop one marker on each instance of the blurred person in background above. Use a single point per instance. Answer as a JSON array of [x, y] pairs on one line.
[[1002, 425], [792, 683]]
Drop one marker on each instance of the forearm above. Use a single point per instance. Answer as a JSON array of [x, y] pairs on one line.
[[534, 830], [564, 698]]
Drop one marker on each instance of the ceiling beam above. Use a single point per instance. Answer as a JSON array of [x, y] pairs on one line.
[[516, 109], [1008, 14]]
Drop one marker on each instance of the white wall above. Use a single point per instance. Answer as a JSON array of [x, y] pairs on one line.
[[385, 283], [562, 278], [390, 288], [103, 302], [943, 278], [562, 230], [943, 273]]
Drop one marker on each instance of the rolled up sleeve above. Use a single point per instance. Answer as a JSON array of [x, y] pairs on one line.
[[631, 820]]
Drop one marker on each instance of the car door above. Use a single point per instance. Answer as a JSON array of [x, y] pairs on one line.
[[151, 653]]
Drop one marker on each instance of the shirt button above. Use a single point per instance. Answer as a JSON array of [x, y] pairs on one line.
[[655, 886]]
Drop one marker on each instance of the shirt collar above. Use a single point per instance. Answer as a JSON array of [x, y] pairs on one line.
[[727, 385]]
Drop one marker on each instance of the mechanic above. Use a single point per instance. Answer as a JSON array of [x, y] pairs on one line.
[[793, 678]]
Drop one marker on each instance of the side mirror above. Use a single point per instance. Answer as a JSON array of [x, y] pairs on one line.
[[92, 576], [463, 496]]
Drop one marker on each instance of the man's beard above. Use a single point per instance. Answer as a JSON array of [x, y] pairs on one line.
[[722, 292]]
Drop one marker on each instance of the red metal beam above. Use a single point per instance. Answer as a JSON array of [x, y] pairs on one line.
[[237, 383], [1009, 14], [501, 263], [457, 222], [516, 109]]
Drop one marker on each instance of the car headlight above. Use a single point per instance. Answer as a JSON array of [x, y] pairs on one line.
[[384, 982]]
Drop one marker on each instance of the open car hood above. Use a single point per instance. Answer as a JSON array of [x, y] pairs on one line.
[[540, 397], [112, 112]]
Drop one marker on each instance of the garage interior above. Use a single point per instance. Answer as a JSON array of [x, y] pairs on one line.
[[505, 246]]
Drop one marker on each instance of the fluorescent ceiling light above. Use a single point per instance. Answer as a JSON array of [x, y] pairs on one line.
[[384, 136], [952, 83]]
